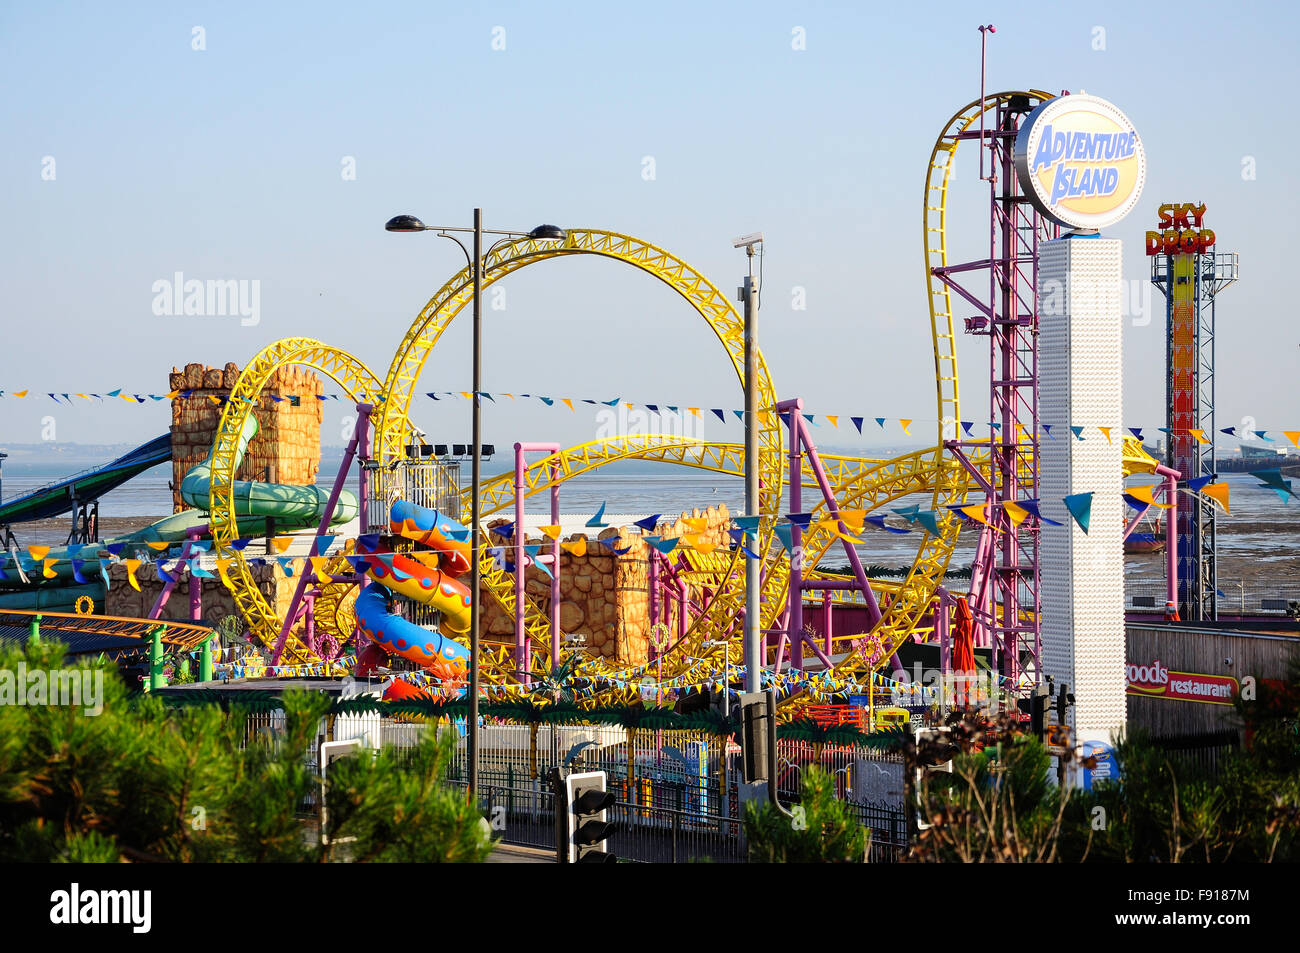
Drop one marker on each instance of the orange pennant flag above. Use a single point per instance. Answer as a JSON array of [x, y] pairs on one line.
[[567, 403], [158, 547], [20, 393], [1200, 436], [281, 543], [835, 421], [578, 547], [849, 539], [38, 552], [49, 572], [694, 410], [222, 565], [905, 423], [703, 547], [1217, 492], [696, 524], [466, 394], [976, 512], [318, 565], [1293, 436], [1106, 432], [552, 532], [854, 519], [1145, 494], [127, 397], [214, 398], [1015, 512], [131, 566]]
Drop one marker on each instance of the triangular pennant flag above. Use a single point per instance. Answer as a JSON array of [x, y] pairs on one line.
[[857, 422], [598, 521], [38, 552], [697, 524], [238, 544], [648, 523], [612, 544], [1272, 479], [996, 426], [881, 421], [799, 519], [1197, 483], [740, 414], [76, 572], [1077, 430], [323, 543], [1105, 433], [1217, 492], [567, 403], [551, 531], [1136, 431], [785, 533], [131, 566], [748, 523], [653, 408], [286, 564], [198, 571], [319, 565], [908, 513], [1144, 494], [281, 543], [1283, 493], [852, 519], [694, 410], [1015, 512], [459, 535], [48, 571], [547, 401], [1293, 436], [966, 425], [505, 530], [1260, 435], [158, 547], [905, 422], [1080, 507], [1200, 436], [1230, 431], [115, 549], [930, 520], [222, 566], [1047, 429], [700, 545], [976, 512], [578, 547], [835, 421], [719, 414], [663, 545], [879, 521]]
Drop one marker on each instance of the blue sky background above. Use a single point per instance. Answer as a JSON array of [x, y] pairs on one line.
[[226, 162]]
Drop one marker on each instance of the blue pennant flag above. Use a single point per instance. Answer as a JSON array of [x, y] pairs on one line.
[[200, 545], [653, 408], [1136, 431], [720, 415], [325, 542], [857, 422], [881, 421], [740, 414], [649, 523], [163, 575], [929, 519], [547, 401], [239, 544], [115, 549], [459, 535], [368, 541], [785, 533], [198, 571], [286, 563], [663, 545], [1047, 429], [612, 544], [1080, 507], [800, 519], [1230, 431], [1197, 483], [966, 425], [748, 523], [598, 521], [76, 572], [879, 522], [908, 513], [611, 403], [1077, 431]]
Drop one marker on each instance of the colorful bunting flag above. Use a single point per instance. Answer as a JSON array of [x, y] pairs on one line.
[[1080, 507]]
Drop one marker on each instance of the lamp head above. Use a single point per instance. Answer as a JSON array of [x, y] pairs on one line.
[[551, 232], [404, 223]]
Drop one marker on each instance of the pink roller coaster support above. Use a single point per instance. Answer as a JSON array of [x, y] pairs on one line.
[[523, 653]]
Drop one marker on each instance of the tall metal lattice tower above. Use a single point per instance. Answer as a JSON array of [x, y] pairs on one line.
[[1005, 595], [1191, 274]]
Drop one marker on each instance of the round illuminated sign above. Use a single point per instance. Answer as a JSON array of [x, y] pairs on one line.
[[1080, 161]]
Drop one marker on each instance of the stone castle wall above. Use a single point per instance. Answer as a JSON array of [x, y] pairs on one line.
[[288, 436], [605, 598]]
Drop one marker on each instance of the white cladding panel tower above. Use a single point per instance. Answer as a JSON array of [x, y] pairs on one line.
[[1080, 363]]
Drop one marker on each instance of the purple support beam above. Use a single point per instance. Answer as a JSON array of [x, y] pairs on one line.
[[362, 426], [161, 601], [653, 571], [827, 616], [523, 654]]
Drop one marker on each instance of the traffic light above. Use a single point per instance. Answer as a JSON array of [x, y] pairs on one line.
[[585, 828], [1036, 707], [1064, 699]]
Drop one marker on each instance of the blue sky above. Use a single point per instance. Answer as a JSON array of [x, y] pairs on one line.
[[226, 162]]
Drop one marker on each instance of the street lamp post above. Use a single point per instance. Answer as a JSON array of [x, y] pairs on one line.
[[409, 223]]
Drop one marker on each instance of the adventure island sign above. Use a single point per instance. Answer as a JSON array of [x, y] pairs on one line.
[[1156, 681]]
